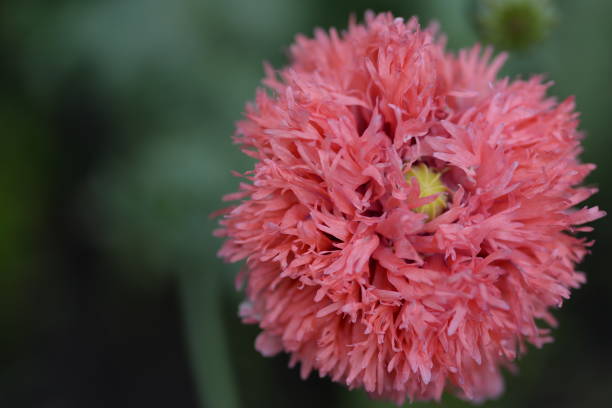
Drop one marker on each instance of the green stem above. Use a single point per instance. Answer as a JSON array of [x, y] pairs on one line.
[[206, 339]]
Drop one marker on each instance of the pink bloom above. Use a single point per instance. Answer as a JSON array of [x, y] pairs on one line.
[[356, 272]]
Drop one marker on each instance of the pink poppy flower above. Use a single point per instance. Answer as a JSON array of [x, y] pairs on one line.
[[410, 217]]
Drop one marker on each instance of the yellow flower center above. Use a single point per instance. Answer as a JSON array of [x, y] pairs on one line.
[[430, 183]]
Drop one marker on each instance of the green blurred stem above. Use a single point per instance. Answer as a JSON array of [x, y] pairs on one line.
[[206, 339]]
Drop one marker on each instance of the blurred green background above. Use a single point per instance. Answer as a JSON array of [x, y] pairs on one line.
[[116, 119]]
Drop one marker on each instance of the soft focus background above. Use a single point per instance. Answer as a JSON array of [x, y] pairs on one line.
[[115, 120]]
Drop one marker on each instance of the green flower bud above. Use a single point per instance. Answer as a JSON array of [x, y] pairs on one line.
[[515, 24]]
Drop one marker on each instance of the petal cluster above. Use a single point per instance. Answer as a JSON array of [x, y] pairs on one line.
[[341, 270]]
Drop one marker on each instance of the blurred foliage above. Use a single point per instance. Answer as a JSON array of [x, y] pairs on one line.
[[23, 187], [116, 119], [161, 191]]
